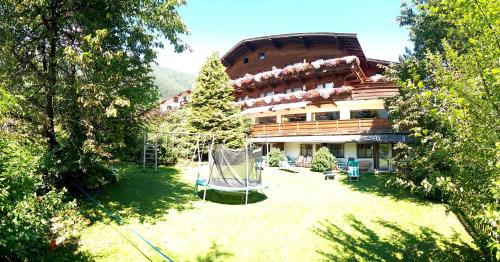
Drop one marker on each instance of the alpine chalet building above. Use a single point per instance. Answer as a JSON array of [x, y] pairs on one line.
[[308, 90]]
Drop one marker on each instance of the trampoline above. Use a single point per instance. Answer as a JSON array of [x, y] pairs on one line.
[[233, 170]]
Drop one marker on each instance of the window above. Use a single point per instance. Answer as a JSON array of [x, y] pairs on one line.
[[185, 99], [242, 98], [337, 150], [264, 94], [325, 85], [306, 149], [262, 56], [293, 118], [364, 114], [382, 113], [291, 90], [265, 120], [325, 116], [365, 150], [245, 60], [176, 99], [169, 107]]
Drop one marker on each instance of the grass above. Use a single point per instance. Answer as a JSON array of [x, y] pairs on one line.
[[301, 217]]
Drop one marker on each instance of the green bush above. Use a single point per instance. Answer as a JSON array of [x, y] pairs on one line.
[[34, 217], [323, 160], [275, 156]]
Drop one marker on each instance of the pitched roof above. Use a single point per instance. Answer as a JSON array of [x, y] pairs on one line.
[[347, 40]]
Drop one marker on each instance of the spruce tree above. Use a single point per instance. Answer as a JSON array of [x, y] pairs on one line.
[[212, 109]]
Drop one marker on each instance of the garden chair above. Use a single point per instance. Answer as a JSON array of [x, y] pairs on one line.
[[364, 166], [353, 170], [284, 165], [340, 165], [291, 160], [300, 161], [308, 161]]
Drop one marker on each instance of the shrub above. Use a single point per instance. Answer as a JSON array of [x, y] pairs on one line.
[[323, 160], [32, 221], [275, 156]]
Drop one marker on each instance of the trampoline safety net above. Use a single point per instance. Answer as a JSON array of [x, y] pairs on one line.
[[229, 167]]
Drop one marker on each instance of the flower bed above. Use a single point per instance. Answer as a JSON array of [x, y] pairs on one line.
[[278, 73], [299, 96]]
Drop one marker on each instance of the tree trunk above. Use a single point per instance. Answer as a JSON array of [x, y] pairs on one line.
[[50, 133]]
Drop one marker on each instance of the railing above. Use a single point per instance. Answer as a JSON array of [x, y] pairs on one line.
[[351, 126]]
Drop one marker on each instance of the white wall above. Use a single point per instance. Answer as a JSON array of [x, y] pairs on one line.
[[349, 151], [166, 103], [292, 150], [343, 106], [344, 114]]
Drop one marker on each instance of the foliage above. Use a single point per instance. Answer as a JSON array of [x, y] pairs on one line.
[[323, 160], [174, 146], [170, 81], [31, 220], [82, 71], [449, 100], [212, 110], [275, 156]]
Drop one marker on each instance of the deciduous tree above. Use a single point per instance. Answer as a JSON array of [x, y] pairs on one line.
[[81, 71], [450, 100]]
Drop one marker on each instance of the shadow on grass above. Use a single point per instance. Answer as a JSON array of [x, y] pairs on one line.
[[144, 195], [375, 184], [232, 198], [68, 253], [214, 254], [363, 243]]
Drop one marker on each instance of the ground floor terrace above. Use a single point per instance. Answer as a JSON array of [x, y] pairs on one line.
[[373, 152], [300, 217]]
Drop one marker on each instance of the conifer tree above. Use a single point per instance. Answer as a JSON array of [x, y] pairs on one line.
[[212, 108]]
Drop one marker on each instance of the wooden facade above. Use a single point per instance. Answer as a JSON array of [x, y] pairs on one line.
[[322, 128], [303, 75]]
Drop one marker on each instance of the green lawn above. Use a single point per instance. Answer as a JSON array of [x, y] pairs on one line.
[[301, 217]]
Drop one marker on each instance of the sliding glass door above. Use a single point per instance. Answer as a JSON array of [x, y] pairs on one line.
[[383, 155]]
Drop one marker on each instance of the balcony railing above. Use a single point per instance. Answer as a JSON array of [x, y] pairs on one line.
[[334, 127]]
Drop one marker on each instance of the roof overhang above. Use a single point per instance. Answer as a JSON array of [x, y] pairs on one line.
[[256, 110], [347, 40], [372, 138], [291, 105]]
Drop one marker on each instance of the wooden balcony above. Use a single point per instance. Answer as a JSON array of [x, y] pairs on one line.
[[316, 128]]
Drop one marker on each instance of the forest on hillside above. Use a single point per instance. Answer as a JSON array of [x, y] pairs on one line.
[[170, 81]]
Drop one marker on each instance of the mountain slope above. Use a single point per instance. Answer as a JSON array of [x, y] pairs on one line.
[[170, 81]]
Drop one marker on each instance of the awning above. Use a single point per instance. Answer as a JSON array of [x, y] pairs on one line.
[[256, 110], [291, 105], [375, 138]]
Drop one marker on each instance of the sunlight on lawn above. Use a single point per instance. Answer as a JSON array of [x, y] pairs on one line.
[[301, 217]]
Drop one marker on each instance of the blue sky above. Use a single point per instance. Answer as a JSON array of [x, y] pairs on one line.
[[217, 25]]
